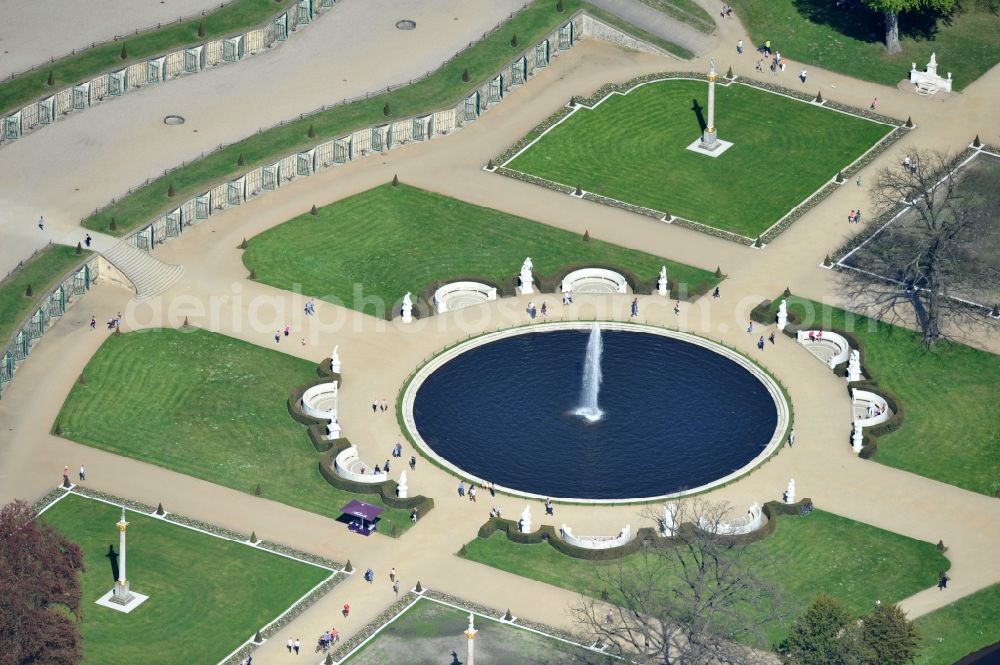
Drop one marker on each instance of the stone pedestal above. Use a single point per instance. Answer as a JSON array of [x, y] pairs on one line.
[[661, 283], [402, 489], [526, 280], [857, 438], [471, 635], [929, 78], [332, 430]]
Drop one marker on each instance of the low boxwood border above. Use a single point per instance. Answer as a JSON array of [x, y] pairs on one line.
[[646, 535]]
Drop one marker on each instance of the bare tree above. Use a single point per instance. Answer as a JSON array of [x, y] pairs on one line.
[[922, 267], [691, 598]]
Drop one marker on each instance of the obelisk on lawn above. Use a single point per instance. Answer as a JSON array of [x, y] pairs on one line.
[[121, 594], [471, 634], [709, 138]]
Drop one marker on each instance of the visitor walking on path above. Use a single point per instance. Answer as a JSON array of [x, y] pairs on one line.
[[93, 323], [943, 582], [392, 575], [461, 489], [277, 337], [739, 47], [413, 462], [635, 307], [472, 493], [857, 217], [369, 576], [347, 610], [874, 103], [395, 587], [677, 307], [66, 476], [715, 293], [41, 223], [549, 510], [750, 328], [290, 644], [850, 217], [83, 473], [374, 406], [770, 337], [802, 75], [297, 646], [87, 240], [760, 343]]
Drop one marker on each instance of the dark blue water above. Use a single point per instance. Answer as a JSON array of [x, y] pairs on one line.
[[676, 415]]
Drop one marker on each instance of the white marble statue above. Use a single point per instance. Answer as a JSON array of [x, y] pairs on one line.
[[527, 280], [407, 308], [790, 492], [524, 524], [472, 620], [661, 283], [854, 366], [669, 524], [783, 314], [335, 360], [402, 489], [857, 437]]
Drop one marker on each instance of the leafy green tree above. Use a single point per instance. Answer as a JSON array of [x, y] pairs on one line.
[[892, 9], [826, 634], [889, 637]]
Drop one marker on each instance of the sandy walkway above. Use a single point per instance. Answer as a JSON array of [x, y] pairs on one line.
[[33, 32], [378, 356]]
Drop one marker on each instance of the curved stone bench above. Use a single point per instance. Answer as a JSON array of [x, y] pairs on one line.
[[596, 542], [349, 466], [457, 295], [869, 408], [829, 347], [320, 401], [593, 280], [753, 520]]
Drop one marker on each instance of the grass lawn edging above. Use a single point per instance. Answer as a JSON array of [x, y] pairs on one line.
[[112, 65], [900, 128], [549, 534], [337, 574], [208, 179]]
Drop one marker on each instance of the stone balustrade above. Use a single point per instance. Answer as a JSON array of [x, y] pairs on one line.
[[320, 401], [869, 408], [593, 280], [753, 520], [831, 348], [349, 466], [456, 295], [596, 542]]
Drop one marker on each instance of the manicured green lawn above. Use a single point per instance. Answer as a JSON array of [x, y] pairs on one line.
[[43, 272], [438, 91], [949, 396], [851, 40], [209, 406], [961, 628], [428, 632], [236, 17], [206, 595], [853, 562], [372, 248], [633, 148]]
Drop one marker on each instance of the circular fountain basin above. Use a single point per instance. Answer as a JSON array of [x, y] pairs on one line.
[[680, 414], [320, 401]]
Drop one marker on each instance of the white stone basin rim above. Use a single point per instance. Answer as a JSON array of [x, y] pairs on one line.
[[348, 465], [320, 401], [780, 403], [593, 280], [456, 295], [839, 347]]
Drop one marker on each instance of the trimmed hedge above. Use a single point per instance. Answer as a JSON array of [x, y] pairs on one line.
[[386, 489], [644, 536], [330, 449]]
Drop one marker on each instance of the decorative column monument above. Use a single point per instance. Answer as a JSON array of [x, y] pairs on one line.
[[782, 315], [121, 594], [661, 283], [471, 634], [121, 597], [407, 310], [526, 278], [709, 143]]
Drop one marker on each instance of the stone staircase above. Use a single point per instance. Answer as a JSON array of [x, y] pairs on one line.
[[149, 276]]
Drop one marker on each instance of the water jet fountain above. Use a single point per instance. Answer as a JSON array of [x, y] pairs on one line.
[[591, 387]]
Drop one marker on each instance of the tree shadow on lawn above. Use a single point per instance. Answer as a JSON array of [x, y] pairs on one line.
[[853, 19]]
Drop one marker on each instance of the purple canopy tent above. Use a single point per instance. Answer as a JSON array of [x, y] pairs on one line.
[[366, 515]]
